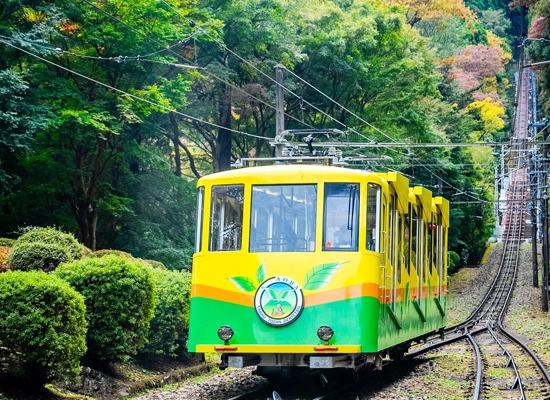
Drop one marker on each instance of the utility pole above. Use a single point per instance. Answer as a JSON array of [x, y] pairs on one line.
[[280, 111], [533, 192], [545, 252]]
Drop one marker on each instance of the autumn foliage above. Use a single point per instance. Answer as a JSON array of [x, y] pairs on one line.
[[4, 253], [423, 10]]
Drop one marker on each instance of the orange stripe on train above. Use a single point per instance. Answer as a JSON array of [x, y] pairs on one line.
[[313, 299]]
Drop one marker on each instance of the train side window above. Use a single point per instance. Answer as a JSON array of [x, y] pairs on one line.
[[282, 218], [341, 216], [198, 228], [399, 244], [407, 241], [414, 239], [431, 258], [373, 217], [226, 218]]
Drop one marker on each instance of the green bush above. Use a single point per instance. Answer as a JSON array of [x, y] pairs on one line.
[[52, 236], [107, 252], [120, 296], [155, 264], [7, 242], [29, 256], [42, 325], [454, 261], [169, 325], [174, 259]]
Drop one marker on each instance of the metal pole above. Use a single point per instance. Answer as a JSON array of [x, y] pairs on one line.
[[280, 113], [533, 192], [544, 297]]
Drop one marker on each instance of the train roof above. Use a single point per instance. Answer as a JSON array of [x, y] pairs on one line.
[[295, 172]]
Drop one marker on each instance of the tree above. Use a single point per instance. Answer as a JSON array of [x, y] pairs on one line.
[[19, 122], [423, 10]]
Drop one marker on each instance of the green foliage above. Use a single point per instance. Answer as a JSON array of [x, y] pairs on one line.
[[19, 121], [29, 256], [120, 296], [454, 262], [107, 252], [162, 226], [7, 242], [42, 325], [53, 236], [169, 325]]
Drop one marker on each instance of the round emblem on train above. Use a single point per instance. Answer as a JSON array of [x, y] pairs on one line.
[[279, 301]]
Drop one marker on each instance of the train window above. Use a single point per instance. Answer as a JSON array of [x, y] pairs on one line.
[[373, 217], [282, 218], [431, 259], [198, 229], [407, 241], [414, 239], [399, 245], [341, 216], [392, 231], [226, 218]]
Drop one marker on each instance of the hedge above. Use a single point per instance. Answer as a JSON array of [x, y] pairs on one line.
[[169, 325], [120, 296], [7, 242], [29, 256], [42, 325], [74, 249]]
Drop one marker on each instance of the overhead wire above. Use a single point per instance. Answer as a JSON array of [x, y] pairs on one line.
[[300, 98], [210, 73], [132, 95]]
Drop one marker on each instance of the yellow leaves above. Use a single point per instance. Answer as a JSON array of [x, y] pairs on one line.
[[489, 85], [490, 113], [34, 16]]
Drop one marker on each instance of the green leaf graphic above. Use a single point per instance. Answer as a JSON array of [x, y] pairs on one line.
[[243, 283], [319, 276], [285, 293], [273, 294], [260, 274]]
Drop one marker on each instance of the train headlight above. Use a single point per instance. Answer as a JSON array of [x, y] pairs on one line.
[[325, 333], [225, 333]]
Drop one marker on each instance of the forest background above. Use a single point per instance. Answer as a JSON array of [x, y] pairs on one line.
[[111, 109]]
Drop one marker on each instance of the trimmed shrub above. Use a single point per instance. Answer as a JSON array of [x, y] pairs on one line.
[[28, 256], [4, 255], [174, 259], [7, 242], [155, 264], [120, 296], [169, 325], [107, 252], [52, 236], [42, 326]]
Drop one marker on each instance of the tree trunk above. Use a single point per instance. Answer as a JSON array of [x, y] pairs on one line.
[[222, 151], [176, 142]]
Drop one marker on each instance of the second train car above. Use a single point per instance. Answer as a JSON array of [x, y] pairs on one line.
[[301, 267]]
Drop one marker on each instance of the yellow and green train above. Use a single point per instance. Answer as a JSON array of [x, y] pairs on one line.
[[312, 267]]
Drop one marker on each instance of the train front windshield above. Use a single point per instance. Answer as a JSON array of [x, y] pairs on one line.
[[283, 218]]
